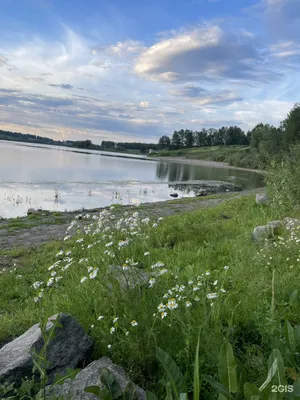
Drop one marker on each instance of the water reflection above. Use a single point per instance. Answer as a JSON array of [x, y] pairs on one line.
[[174, 172], [58, 179]]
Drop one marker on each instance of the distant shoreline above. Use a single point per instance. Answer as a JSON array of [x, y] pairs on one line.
[[203, 163]]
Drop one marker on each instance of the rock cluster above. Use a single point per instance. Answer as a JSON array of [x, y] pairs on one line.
[[70, 347]]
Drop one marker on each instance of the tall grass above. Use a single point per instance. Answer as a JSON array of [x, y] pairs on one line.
[[203, 271], [283, 179]]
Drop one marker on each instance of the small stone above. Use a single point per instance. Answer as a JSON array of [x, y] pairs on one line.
[[261, 199], [174, 194], [32, 211], [91, 376], [201, 192], [261, 232]]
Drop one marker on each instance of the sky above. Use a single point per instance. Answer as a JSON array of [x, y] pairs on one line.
[[129, 70]]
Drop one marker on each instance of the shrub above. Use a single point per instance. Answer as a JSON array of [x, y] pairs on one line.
[[283, 179]]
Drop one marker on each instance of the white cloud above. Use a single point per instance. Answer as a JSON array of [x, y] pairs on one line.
[[144, 104]]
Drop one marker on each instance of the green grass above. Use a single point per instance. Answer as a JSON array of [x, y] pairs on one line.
[[238, 156], [15, 224], [189, 245]]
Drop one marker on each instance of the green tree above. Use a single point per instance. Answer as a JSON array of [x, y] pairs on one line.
[[291, 126], [164, 142], [177, 140]]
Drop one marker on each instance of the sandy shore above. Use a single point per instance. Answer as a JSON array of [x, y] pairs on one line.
[[203, 163]]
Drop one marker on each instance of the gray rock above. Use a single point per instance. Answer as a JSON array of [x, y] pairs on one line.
[[211, 187], [261, 199], [291, 223], [174, 194], [130, 278], [70, 348], [275, 225], [90, 376], [201, 192], [266, 231], [32, 211], [261, 232]]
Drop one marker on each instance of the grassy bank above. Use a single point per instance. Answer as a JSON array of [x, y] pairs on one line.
[[237, 156], [204, 272]]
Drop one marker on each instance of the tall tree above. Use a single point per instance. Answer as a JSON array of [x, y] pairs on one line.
[[164, 142], [291, 126]]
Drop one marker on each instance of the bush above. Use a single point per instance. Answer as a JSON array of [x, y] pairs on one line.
[[283, 179]]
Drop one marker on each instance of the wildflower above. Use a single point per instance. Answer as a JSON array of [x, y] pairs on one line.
[[223, 290], [161, 307], [100, 317], [50, 282], [154, 225], [59, 254], [163, 271], [36, 285], [181, 288], [157, 265], [127, 333], [94, 273], [160, 218], [207, 273], [109, 346], [67, 237], [188, 304], [226, 267], [68, 253], [40, 295], [92, 326], [215, 283], [163, 315], [19, 276], [112, 330], [196, 298], [212, 295], [109, 244], [134, 323], [171, 305], [83, 279], [190, 282], [58, 278], [115, 320], [135, 215], [145, 220], [196, 288], [90, 269], [53, 273], [151, 282], [146, 253], [90, 246], [123, 243]]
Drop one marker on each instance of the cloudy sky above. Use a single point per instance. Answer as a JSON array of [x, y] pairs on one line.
[[134, 70]]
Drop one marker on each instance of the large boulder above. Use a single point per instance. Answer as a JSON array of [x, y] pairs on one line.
[[69, 348], [91, 376]]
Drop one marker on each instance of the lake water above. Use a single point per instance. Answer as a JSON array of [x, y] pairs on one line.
[[60, 178]]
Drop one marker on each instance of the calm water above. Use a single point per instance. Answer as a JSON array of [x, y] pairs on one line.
[[58, 178]]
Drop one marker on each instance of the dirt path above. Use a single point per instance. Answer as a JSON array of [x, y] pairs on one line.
[[32, 231]]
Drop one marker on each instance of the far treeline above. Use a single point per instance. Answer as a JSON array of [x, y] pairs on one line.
[[249, 150], [80, 144]]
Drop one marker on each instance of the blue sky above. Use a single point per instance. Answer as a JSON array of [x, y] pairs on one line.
[[135, 70]]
